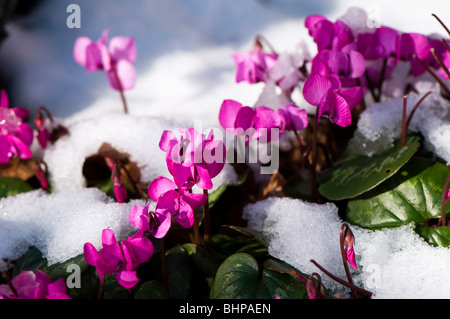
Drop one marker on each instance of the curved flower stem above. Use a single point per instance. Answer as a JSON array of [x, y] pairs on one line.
[[438, 80], [344, 229], [439, 60], [260, 39], [444, 193], [47, 112], [342, 282], [415, 108], [122, 95], [206, 221], [447, 46], [442, 23]]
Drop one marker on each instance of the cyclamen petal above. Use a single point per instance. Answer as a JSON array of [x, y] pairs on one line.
[[80, 50], [351, 257], [127, 278], [123, 47], [185, 215], [4, 101], [315, 88], [126, 74], [194, 200], [159, 186]]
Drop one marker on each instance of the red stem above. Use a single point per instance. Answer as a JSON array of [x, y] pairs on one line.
[[122, 95]]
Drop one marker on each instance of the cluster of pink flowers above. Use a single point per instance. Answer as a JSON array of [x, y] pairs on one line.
[[15, 135], [349, 63], [122, 259], [257, 122], [30, 285], [192, 159]]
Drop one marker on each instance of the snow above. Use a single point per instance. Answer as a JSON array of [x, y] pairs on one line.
[[392, 263], [59, 224], [184, 73]]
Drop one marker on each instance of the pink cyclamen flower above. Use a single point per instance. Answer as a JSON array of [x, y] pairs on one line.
[[259, 121], [116, 58], [122, 259], [328, 35], [333, 102], [349, 240], [30, 285], [178, 202], [15, 135], [155, 223], [193, 158], [253, 66], [118, 187], [346, 63]]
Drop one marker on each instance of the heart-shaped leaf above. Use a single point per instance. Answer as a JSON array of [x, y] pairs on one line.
[[240, 277], [359, 174], [236, 278], [412, 195]]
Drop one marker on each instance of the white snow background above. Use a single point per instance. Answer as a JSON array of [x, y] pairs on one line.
[[184, 73]]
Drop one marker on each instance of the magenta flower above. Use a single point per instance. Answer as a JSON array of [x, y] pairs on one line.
[[292, 118], [155, 223], [346, 63], [122, 259], [333, 102], [253, 66], [380, 44], [119, 189], [30, 285], [257, 122], [328, 35], [115, 59], [176, 202], [193, 158], [15, 135]]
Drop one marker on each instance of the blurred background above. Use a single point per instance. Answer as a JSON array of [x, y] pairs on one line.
[[184, 46]]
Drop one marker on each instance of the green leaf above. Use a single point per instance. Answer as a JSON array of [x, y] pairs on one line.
[[62, 270], [236, 278], [152, 290], [10, 186], [359, 174], [275, 284], [412, 195], [31, 260], [239, 277], [438, 236], [215, 196]]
